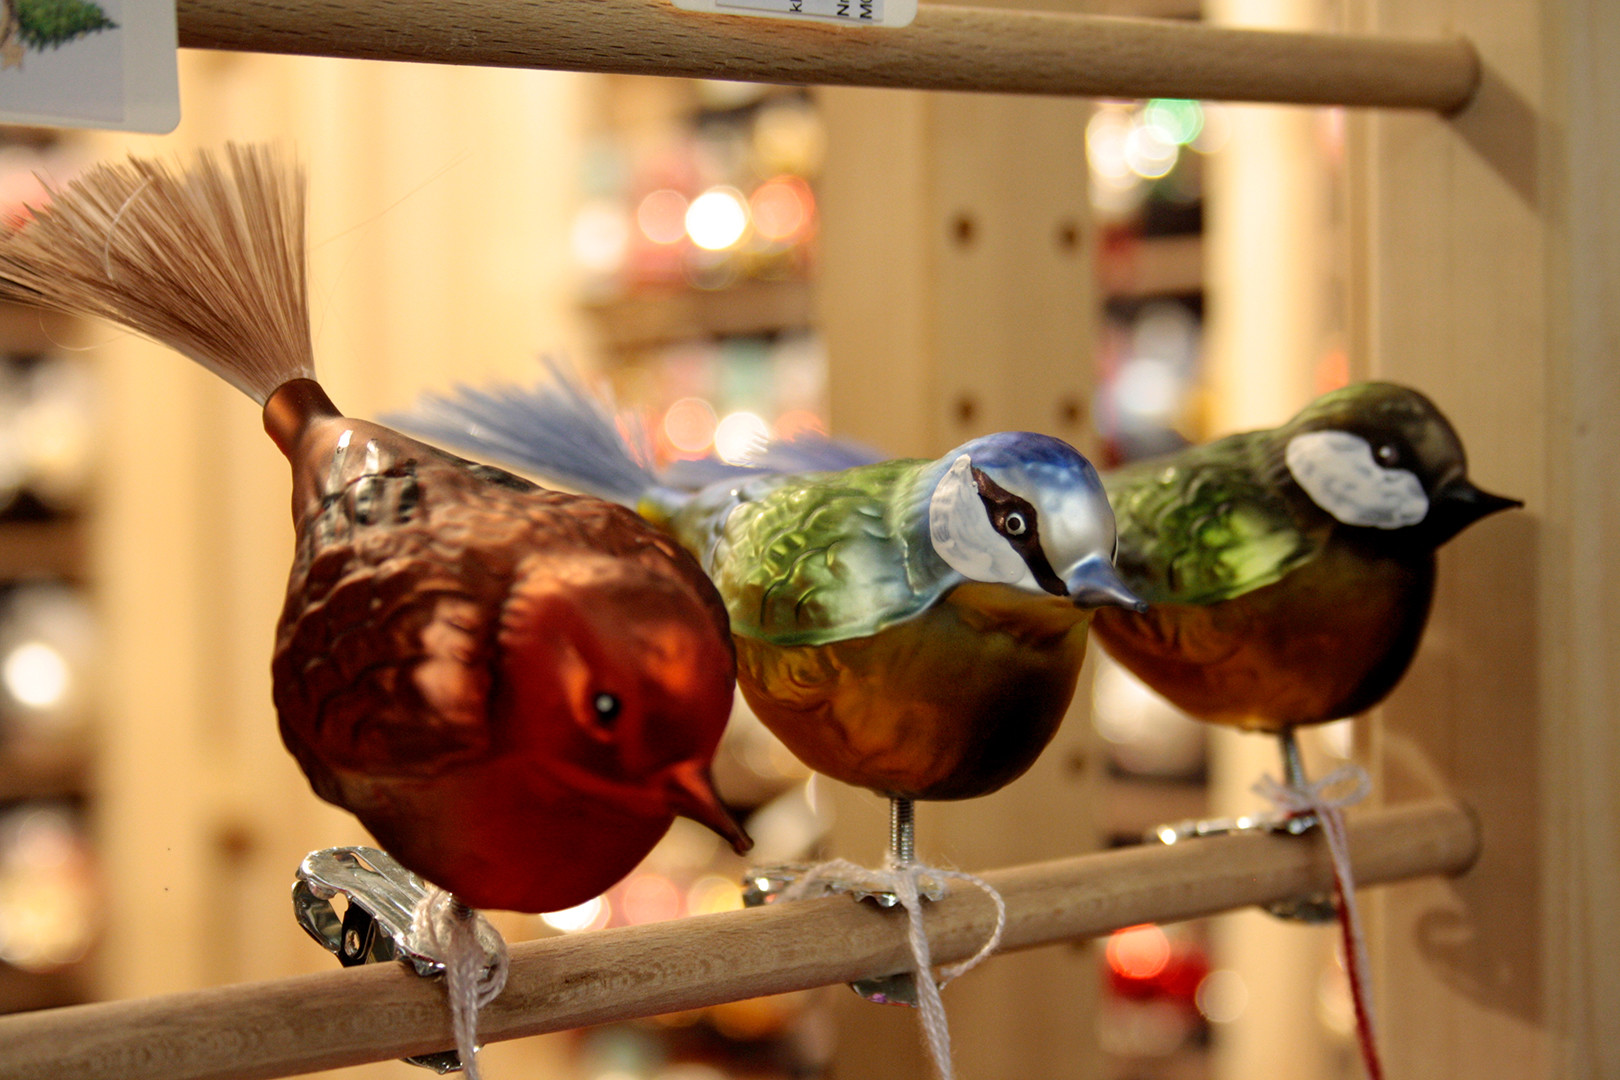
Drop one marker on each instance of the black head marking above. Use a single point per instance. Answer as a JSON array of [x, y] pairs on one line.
[[1016, 519]]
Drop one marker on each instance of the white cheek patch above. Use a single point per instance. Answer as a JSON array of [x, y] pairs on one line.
[[1338, 472], [960, 529]]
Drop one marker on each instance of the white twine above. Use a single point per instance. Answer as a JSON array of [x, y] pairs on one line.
[[902, 879], [1312, 798], [449, 931]]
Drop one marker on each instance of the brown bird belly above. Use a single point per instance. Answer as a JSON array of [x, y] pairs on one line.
[[1327, 641], [952, 704]]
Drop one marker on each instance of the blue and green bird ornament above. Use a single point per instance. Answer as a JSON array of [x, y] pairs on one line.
[[915, 627], [1291, 570]]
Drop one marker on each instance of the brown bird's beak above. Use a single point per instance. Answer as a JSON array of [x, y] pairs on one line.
[[692, 795], [1459, 504]]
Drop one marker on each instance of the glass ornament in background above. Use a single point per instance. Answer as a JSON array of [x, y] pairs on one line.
[[47, 652], [13, 451], [47, 888], [57, 430]]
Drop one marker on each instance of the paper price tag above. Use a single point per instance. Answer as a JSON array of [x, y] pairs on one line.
[[838, 12], [89, 63]]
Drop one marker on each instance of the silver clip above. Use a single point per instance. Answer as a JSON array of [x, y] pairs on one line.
[[376, 925], [1314, 909], [764, 885]]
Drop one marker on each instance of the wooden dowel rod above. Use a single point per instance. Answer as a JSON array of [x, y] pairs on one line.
[[946, 48], [352, 1015]]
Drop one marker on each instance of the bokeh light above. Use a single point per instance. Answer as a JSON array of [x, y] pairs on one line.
[[689, 425], [711, 894], [739, 436], [1174, 120], [47, 899], [591, 915], [1106, 133], [717, 219], [1138, 952], [1222, 996], [600, 236], [36, 675], [661, 216], [649, 898], [781, 208], [1148, 155]]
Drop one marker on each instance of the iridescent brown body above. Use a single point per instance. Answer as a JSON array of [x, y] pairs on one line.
[[952, 704], [445, 627], [1329, 640]]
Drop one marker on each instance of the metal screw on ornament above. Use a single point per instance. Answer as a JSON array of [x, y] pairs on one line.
[[901, 882]]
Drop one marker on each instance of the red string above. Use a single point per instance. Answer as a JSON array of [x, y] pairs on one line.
[[1350, 937]]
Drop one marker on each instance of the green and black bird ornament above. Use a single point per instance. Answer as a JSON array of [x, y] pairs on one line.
[[1290, 571]]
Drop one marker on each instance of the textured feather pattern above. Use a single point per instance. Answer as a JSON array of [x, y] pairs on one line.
[[209, 261], [819, 558], [1208, 524]]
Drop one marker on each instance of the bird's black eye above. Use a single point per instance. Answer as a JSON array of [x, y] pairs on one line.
[[607, 708], [1014, 524], [1388, 454]]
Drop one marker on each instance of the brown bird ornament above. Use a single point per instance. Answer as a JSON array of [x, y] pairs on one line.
[[515, 689]]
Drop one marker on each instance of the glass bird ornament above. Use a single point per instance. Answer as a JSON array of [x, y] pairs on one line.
[[516, 690], [1290, 571]]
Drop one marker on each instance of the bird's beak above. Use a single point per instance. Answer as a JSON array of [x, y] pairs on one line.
[[1095, 583], [1458, 504], [692, 795]]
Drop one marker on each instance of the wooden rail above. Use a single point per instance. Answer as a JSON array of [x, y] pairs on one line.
[[347, 1016], [946, 48]]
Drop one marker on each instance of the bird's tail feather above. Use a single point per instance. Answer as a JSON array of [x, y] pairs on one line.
[[208, 260], [558, 429]]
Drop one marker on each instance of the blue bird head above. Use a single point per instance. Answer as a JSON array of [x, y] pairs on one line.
[[1027, 510]]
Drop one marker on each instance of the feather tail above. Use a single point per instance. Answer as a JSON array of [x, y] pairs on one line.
[[559, 430], [209, 261], [562, 431]]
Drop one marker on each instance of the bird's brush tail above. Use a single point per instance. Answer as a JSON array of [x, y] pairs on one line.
[[208, 260], [558, 430]]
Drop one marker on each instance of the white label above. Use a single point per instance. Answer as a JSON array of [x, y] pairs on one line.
[[842, 12], [99, 64]]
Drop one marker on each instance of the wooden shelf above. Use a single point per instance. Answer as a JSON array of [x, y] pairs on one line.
[[646, 319], [1137, 268], [26, 991], [31, 769], [55, 548]]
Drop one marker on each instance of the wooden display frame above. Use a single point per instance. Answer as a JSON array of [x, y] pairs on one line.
[[946, 48], [1486, 246], [353, 1015]]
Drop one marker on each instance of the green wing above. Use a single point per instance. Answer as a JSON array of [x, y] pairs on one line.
[[1205, 525], [804, 560]]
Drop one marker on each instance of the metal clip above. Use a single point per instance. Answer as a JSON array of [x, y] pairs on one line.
[[381, 896], [765, 884], [1314, 910]]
